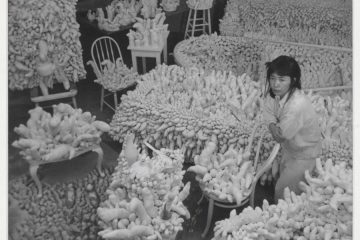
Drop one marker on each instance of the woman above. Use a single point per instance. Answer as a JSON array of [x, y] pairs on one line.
[[292, 122]]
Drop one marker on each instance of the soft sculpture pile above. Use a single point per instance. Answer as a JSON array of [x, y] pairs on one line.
[[66, 210], [170, 5], [49, 138], [44, 43], [315, 22], [115, 76], [118, 13], [227, 176], [150, 33], [144, 197], [320, 66], [149, 8], [323, 211], [335, 118], [175, 107]]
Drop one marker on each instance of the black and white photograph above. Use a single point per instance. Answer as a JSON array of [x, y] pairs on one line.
[[180, 120]]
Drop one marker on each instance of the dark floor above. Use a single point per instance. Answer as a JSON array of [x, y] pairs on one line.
[[88, 99]]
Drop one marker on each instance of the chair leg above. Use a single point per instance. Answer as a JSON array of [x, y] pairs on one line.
[[209, 19], [253, 188], [252, 198], [209, 217], [33, 173], [100, 153], [143, 59], [115, 101], [102, 99]]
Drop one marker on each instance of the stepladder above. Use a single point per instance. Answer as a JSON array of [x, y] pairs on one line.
[[199, 21]]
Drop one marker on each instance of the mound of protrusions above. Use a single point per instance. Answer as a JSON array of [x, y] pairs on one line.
[[44, 43]]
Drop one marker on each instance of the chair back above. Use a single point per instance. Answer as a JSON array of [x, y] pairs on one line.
[[105, 48], [266, 166]]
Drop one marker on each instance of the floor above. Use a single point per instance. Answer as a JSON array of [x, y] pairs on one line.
[[88, 99]]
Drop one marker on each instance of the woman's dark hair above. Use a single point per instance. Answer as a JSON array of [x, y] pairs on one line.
[[283, 66]]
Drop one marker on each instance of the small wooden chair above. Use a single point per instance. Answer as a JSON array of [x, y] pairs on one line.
[[38, 98], [105, 48], [215, 201]]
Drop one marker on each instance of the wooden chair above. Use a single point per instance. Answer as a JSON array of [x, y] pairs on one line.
[[40, 94], [105, 48], [215, 201]]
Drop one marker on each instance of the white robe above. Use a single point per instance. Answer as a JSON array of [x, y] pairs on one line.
[[299, 126]]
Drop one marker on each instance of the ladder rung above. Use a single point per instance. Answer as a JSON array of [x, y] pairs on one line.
[[199, 30], [200, 25], [195, 29], [198, 19]]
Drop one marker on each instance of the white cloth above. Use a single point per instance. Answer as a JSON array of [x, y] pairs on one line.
[[299, 126], [298, 122]]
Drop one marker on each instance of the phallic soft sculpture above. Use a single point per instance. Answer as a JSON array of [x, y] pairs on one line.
[[170, 5], [149, 8]]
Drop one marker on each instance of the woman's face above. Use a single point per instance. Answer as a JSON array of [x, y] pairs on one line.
[[280, 85]]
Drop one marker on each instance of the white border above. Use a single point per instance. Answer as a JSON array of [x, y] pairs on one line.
[[4, 119], [356, 117], [3, 122]]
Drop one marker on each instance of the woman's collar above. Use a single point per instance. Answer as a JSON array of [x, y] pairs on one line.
[[282, 101]]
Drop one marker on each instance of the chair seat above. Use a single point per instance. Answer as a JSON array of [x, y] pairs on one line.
[[118, 89], [214, 201], [36, 98], [55, 96]]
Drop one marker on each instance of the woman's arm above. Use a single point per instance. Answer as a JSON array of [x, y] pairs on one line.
[[275, 131], [268, 111], [292, 119]]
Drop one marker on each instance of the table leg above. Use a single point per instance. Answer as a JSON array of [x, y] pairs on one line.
[[209, 17], [102, 98], [74, 102], [100, 153], [158, 59], [204, 21], [144, 64], [115, 100], [133, 59], [33, 173], [165, 52], [209, 217]]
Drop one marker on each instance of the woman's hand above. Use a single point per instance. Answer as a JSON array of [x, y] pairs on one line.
[[276, 133]]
